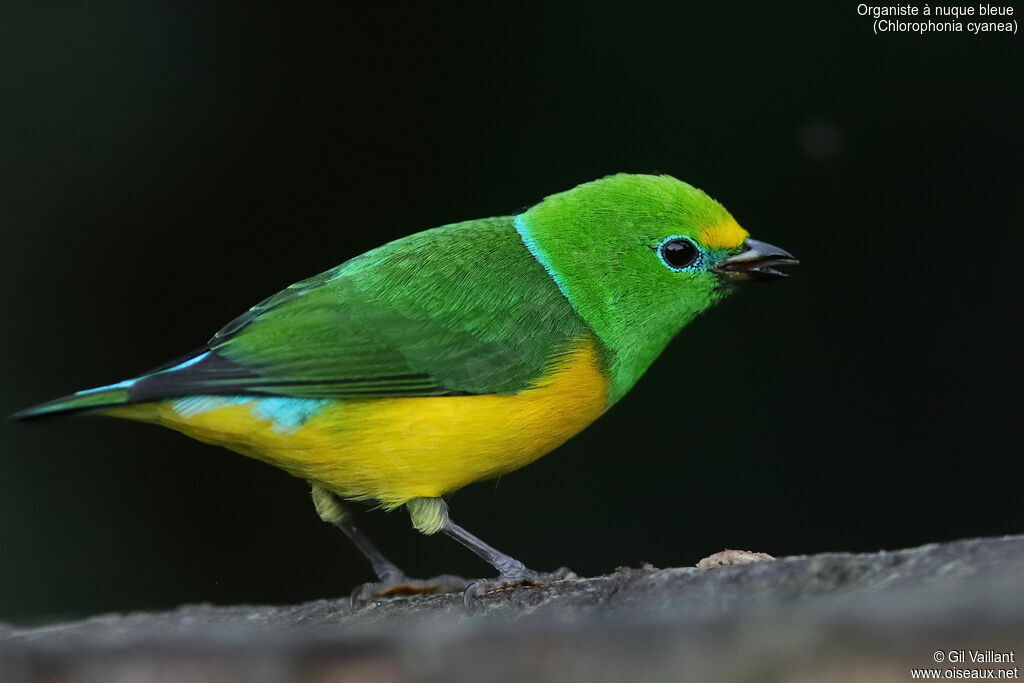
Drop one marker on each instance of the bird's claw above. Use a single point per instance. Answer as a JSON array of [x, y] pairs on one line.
[[405, 586], [527, 577]]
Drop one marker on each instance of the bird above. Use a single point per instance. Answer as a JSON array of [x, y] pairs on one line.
[[453, 355]]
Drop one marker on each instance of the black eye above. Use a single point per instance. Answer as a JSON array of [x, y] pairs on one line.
[[678, 253]]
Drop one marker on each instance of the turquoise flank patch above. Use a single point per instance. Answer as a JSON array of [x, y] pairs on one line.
[[197, 405], [288, 414], [524, 234]]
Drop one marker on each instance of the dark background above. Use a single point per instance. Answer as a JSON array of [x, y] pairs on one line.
[[165, 165]]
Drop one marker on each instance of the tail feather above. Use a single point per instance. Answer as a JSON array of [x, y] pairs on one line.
[[112, 395], [91, 399]]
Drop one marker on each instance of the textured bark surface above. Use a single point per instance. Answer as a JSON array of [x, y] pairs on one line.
[[836, 617]]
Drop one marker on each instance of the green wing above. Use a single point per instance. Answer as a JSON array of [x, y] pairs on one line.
[[462, 309]]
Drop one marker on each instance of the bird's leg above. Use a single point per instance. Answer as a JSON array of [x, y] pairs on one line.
[[386, 570], [390, 579], [508, 567], [331, 510], [511, 572], [430, 515]]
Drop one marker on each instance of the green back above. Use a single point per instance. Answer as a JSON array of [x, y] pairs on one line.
[[460, 309]]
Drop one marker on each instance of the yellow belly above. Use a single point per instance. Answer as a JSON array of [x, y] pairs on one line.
[[395, 449]]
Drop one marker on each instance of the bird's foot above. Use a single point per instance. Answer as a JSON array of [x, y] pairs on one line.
[[520, 577], [401, 585]]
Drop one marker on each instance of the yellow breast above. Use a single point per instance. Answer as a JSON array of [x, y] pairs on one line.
[[395, 449]]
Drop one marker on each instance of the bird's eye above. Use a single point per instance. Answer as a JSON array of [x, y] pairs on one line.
[[678, 253]]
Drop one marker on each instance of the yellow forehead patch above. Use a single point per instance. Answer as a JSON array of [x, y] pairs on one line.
[[726, 235]]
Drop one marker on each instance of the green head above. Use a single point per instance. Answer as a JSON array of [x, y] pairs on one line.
[[640, 256]]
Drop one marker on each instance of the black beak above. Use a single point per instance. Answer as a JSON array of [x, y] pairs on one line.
[[757, 262]]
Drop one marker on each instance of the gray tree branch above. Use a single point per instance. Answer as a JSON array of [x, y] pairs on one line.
[[836, 617]]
